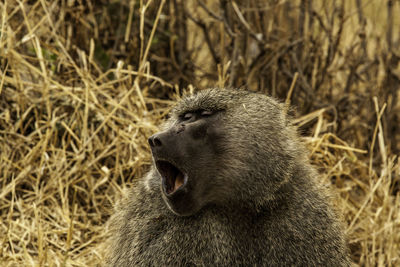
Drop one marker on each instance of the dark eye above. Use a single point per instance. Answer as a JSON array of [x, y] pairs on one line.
[[206, 113], [187, 116]]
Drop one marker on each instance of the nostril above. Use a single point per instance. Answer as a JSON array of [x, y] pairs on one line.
[[154, 141], [157, 141], [150, 141]]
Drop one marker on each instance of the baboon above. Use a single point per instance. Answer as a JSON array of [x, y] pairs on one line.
[[230, 186]]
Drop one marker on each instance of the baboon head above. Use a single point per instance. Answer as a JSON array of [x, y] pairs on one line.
[[222, 147]]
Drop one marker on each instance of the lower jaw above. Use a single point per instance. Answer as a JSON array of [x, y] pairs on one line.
[[180, 207]]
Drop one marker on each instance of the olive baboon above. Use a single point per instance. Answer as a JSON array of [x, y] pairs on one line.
[[230, 186]]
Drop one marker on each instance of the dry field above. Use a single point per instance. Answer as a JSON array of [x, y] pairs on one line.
[[83, 83]]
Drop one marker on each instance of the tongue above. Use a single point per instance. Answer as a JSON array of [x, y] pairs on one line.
[[178, 181]]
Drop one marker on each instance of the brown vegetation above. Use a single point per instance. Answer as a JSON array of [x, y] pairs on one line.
[[83, 83]]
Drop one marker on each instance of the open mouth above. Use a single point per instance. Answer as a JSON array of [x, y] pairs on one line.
[[173, 178]]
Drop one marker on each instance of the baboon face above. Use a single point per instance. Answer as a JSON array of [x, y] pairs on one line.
[[185, 156], [223, 147]]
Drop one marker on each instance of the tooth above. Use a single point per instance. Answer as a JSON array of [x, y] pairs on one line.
[[179, 180]]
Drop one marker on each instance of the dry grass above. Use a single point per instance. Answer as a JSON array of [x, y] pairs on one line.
[[83, 84]]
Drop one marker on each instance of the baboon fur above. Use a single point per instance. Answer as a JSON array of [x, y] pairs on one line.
[[262, 205]]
